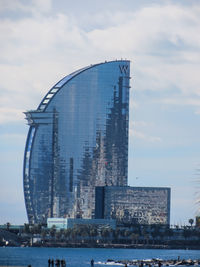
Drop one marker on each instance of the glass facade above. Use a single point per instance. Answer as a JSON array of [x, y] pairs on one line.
[[139, 205], [78, 139]]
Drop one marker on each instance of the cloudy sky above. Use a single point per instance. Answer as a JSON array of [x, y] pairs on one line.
[[41, 41]]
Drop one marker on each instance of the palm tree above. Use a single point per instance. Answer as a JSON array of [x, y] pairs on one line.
[[134, 238], [156, 232], [187, 233], [58, 235], [26, 228], [53, 231], [191, 221], [67, 233], [105, 232], [8, 226], [168, 232], [127, 233], [44, 233], [37, 228], [93, 232]]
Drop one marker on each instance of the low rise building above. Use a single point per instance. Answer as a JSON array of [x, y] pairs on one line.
[[139, 205], [66, 223]]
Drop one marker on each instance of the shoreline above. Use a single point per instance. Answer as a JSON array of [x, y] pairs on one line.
[[122, 246], [155, 262]]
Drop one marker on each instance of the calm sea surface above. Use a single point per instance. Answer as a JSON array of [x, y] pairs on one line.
[[80, 257]]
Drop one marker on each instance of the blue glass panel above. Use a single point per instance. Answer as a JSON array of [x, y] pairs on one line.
[[81, 141]]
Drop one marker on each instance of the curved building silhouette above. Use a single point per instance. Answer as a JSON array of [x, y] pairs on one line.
[[78, 139]]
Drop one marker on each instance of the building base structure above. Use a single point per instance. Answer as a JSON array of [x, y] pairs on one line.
[[66, 223]]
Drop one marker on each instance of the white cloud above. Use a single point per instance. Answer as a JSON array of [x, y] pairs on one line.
[[12, 136], [34, 6], [138, 130], [10, 5], [28, 38], [39, 45], [142, 30], [164, 43], [39, 50], [145, 137], [42, 5], [181, 101], [140, 124], [10, 115], [133, 104]]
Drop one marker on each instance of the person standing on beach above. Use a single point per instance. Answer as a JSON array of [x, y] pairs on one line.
[[92, 263], [63, 263]]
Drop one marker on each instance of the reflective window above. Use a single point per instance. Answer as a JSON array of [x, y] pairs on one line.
[[81, 141]]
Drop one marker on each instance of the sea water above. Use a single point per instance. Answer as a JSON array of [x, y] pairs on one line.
[[81, 257]]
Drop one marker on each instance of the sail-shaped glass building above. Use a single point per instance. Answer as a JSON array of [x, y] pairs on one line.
[[77, 140]]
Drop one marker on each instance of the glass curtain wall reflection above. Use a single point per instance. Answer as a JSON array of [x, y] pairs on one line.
[[78, 139]]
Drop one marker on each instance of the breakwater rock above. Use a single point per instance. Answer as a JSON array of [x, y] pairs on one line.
[[155, 262]]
